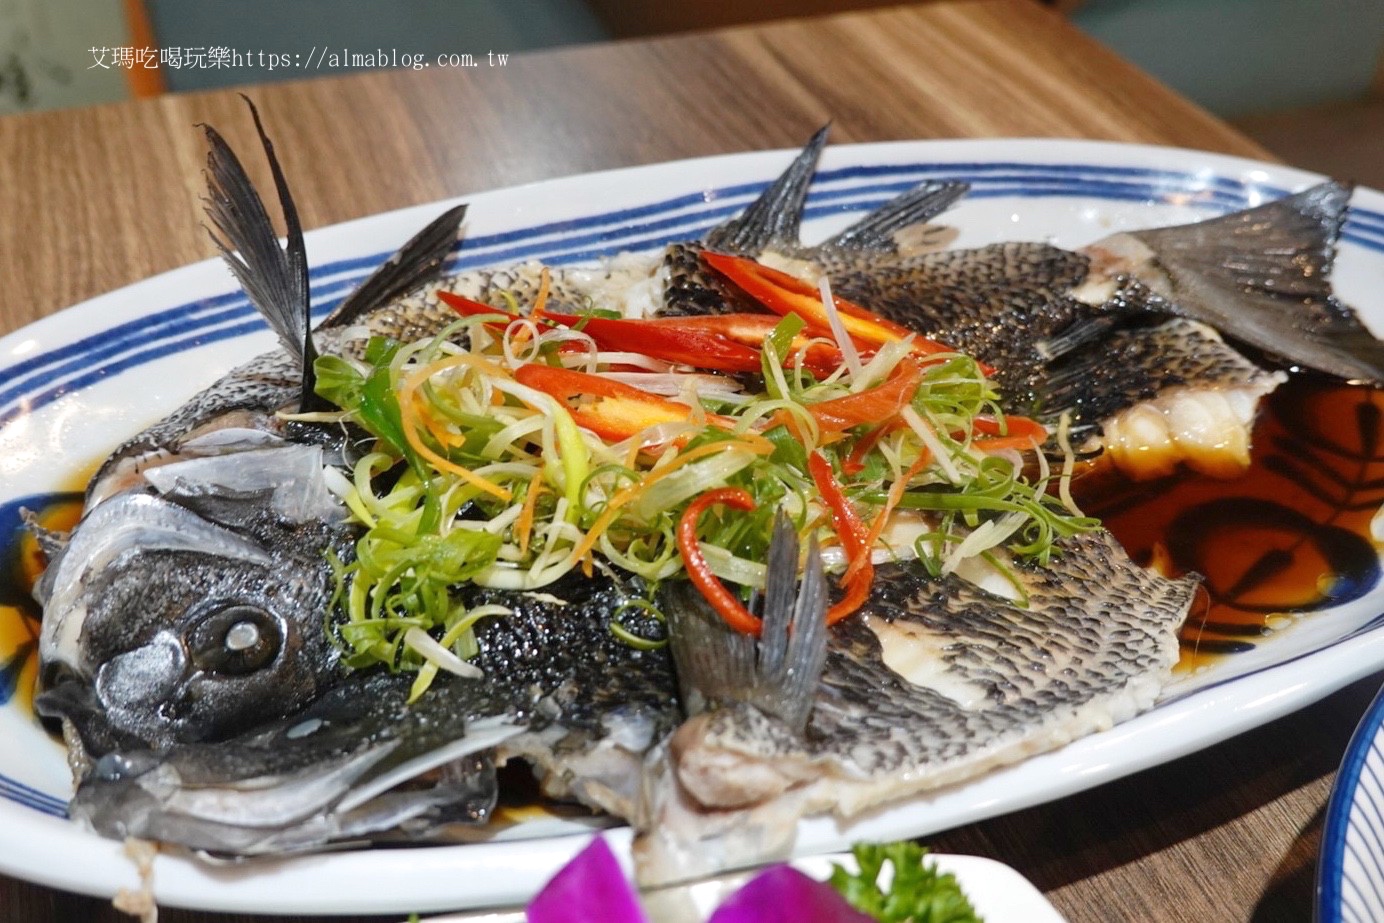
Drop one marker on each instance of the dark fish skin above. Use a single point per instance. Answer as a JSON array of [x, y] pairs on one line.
[[559, 690], [693, 291], [1136, 362], [557, 647], [997, 303], [999, 682]]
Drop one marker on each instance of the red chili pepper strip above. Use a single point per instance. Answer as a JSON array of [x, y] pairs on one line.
[[853, 535], [752, 329], [667, 339], [618, 411], [1023, 433], [718, 343], [785, 294], [1013, 426], [711, 588], [879, 404], [844, 520], [855, 462], [469, 307]]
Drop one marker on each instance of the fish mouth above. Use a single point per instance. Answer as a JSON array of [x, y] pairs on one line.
[[356, 764], [87, 727]]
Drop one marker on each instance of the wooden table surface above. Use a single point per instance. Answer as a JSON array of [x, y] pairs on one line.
[[92, 199]]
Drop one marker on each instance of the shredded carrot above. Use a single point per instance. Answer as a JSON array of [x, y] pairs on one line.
[[524, 524], [852, 535], [625, 495], [540, 301], [435, 427], [408, 414], [896, 492]]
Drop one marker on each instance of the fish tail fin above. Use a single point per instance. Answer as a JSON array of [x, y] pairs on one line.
[[1262, 276], [779, 672], [274, 278], [877, 229], [417, 262], [776, 215]]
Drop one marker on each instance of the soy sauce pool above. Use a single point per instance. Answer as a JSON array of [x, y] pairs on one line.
[[21, 562], [1290, 537]]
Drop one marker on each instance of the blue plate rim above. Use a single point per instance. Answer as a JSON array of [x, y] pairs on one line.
[[1330, 878]]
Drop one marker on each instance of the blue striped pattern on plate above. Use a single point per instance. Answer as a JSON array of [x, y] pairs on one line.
[[38, 380], [30, 797], [1350, 870]]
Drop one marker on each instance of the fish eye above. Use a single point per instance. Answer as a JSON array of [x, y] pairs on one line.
[[235, 639]]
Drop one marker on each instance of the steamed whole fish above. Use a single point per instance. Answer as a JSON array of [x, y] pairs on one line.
[[187, 637]]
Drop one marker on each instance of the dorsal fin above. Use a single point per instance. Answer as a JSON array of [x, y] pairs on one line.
[[275, 278], [416, 262], [776, 216], [876, 230]]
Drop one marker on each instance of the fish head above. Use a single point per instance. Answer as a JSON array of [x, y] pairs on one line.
[[195, 605]]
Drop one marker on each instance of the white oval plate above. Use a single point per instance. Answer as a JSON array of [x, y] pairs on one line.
[[75, 384]]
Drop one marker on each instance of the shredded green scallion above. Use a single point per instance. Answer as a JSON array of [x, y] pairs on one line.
[[478, 479]]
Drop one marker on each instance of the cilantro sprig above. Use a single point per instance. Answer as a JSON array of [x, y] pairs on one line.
[[916, 893]]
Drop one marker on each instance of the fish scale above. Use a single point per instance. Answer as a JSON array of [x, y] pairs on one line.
[[1136, 364], [693, 291], [1093, 646], [1093, 624]]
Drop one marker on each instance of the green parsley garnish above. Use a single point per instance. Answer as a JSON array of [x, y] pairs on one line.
[[917, 892]]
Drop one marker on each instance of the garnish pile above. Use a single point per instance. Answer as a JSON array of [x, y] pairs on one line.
[[516, 446], [593, 888]]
